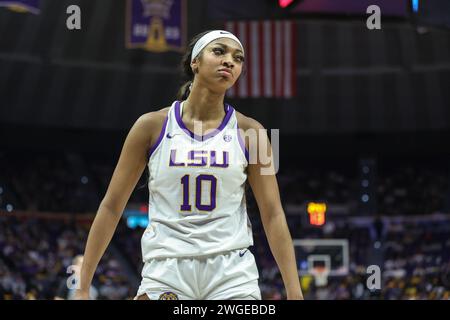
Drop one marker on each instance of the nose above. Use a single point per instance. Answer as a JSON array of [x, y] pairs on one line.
[[228, 61]]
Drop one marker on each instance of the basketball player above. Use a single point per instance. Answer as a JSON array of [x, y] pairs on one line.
[[195, 246]]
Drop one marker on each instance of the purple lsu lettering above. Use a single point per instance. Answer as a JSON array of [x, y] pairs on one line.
[[199, 158]]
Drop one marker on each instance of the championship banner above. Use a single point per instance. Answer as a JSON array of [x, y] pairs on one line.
[[22, 5], [156, 25]]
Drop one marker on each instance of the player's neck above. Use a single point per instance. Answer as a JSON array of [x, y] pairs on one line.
[[203, 105]]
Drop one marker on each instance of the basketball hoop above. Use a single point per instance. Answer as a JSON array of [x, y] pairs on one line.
[[320, 274]]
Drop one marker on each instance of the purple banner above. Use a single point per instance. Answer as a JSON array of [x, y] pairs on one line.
[[22, 5], [388, 7], [156, 25]]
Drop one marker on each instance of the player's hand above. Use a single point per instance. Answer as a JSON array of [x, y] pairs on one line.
[[81, 295]]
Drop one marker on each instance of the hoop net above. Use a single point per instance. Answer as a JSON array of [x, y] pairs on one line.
[[320, 274]]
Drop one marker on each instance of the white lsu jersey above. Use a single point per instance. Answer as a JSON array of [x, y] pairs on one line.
[[197, 203]]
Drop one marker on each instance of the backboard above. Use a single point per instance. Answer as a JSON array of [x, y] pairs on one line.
[[329, 253]]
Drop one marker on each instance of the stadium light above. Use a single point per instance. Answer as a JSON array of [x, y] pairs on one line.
[[415, 5], [284, 4]]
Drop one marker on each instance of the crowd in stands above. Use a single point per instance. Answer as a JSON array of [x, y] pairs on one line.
[[35, 253], [415, 264], [413, 190], [313, 184], [46, 182]]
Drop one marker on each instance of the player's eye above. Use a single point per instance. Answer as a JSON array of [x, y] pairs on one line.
[[218, 51], [241, 59]]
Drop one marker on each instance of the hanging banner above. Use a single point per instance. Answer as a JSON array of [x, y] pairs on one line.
[[156, 25], [22, 5], [271, 53]]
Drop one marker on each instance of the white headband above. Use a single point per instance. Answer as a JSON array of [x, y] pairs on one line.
[[211, 36]]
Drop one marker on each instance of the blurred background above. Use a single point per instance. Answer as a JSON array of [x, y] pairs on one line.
[[363, 114]]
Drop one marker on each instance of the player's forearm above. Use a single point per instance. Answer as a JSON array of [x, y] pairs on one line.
[[280, 242], [100, 235]]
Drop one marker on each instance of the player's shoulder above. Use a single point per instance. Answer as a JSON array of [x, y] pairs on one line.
[[150, 124], [152, 121], [245, 122], [154, 117]]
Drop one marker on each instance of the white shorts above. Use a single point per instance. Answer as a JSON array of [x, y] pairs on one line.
[[226, 276]]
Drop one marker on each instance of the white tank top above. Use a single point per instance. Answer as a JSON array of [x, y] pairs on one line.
[[196, 190]]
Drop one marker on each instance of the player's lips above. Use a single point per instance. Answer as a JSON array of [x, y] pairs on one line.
[[226, 72]]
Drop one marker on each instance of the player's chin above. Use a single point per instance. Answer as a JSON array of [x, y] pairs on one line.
[[222, 85], [227, 83]]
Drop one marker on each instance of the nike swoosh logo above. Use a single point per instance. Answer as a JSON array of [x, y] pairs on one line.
[[241, 254], [221, 32], [169, 136]]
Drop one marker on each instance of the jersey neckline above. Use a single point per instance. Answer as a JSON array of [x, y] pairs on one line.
[[228, 112]]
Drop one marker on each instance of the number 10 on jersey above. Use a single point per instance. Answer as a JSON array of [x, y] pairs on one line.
[[200, 180]]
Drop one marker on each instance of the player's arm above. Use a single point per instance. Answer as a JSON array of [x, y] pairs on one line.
[[264, 185], [129, 168]]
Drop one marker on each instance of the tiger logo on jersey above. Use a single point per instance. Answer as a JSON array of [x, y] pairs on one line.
[[168, 296]]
